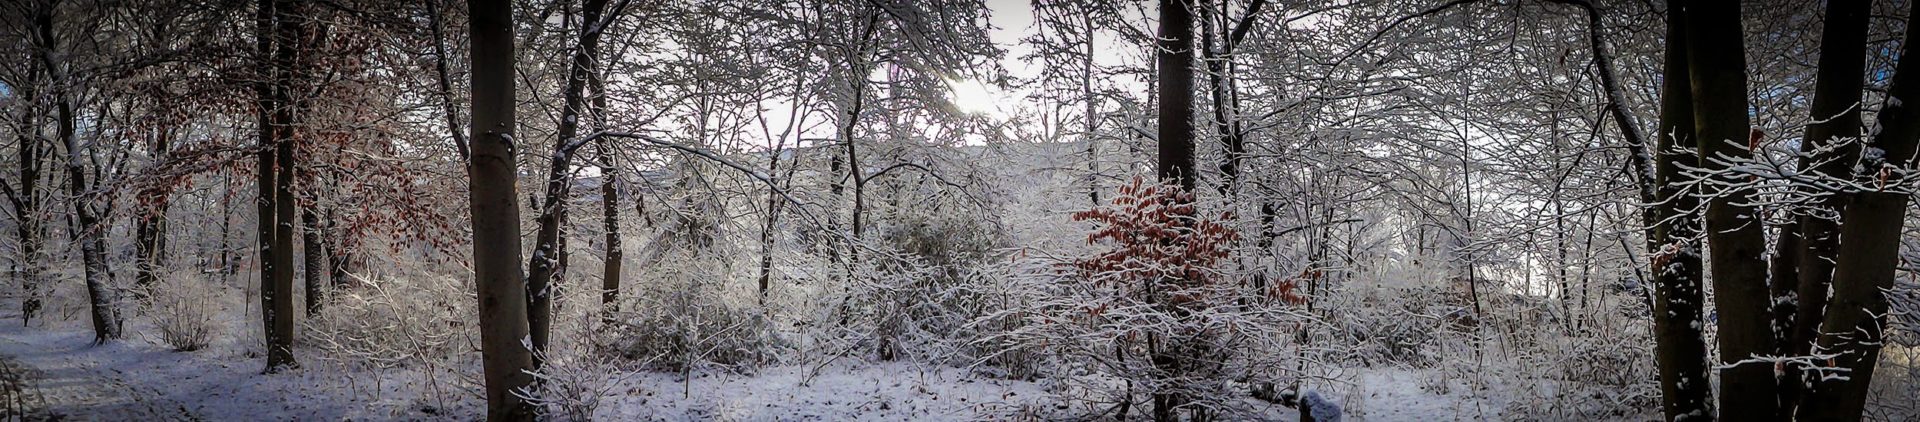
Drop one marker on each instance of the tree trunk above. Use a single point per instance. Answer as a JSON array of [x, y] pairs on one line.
[[548, 252], [87, 232], [1717, 64], [26, 206], [1868, 254], [1175, 62], [1092, 114], [1812, 244], [315, 253], [268, 98], [1680, 349], [279, 27], [1215, 61], [497, 273], [336, 246], [1176, 162], [609, 205]]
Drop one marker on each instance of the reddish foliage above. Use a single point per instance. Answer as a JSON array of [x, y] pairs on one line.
[[1161, 243]]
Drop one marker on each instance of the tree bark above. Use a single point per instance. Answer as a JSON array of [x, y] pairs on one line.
[[547, 261], [278, 28], [315, 253], [26, 203], [609, 206], [1868, 255], [1835, 120], [1680, 349], [87, 232], [266, 89], [1175, 61], [492, 198], [1176, 164], [1717, 64]]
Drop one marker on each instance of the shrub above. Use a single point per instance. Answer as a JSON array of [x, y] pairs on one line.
[[686, 316], [1153, 316], [183, 306], [572, 384], [394, 323]]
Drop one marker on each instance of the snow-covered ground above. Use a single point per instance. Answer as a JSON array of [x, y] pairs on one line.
[[63, 376]]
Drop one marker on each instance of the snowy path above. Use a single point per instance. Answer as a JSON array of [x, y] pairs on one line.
[[52, 382]]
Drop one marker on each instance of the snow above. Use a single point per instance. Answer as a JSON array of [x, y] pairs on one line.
[[135, 379], [888, 391]]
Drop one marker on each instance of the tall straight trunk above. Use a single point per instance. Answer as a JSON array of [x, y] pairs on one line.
[[549, 252], [610, 220], [1869, 251], [87, 231], [1176, 163], [609, 204], [1175, 62], [26, 208], [1835, 120], [280, 27], [1092, 114], [309, 39], [495, 213], [1717, 64]]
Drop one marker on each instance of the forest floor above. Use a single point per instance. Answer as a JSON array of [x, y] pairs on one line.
[[62, 379], [56, 373]]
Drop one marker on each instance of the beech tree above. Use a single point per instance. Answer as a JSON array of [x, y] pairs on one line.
[[496, 216]]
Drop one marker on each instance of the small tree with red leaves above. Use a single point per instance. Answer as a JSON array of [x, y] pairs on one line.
[[1163, 249], [1165, 260], [1154, 320]]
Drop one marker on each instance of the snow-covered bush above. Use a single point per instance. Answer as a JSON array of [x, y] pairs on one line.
[[183, 306], [691, 312], [572, 384], [1153, 323], [1389, 330], [397, 322], [927, 278]]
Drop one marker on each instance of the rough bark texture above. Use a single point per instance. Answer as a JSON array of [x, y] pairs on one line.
[[1812, 244], [1717, 63], [1868, 255], [496, 216], [1680, 349]]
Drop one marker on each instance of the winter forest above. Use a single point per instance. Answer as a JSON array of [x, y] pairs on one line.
[[1025, 210]]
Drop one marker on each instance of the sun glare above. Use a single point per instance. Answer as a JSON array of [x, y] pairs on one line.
[[974, 97]]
